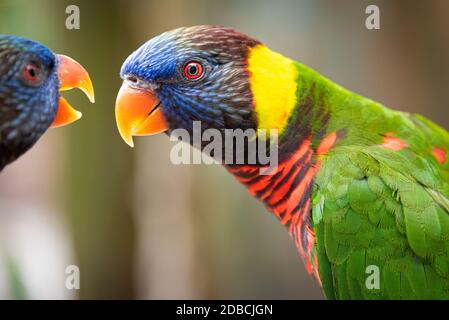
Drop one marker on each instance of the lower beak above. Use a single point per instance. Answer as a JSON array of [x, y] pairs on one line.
[[138, 113], [71, 75]]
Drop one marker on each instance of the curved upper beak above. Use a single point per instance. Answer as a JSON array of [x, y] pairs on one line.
[[138, 113], [71, 75]]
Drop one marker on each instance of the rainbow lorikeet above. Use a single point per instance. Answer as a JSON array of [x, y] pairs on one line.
[[362, 189], [31, 76]]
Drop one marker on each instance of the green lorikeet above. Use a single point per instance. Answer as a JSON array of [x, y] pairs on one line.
[[362, 189], [31, 77]]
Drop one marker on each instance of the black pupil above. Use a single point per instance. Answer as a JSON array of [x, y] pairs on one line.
[[32, 72], [193, 69]]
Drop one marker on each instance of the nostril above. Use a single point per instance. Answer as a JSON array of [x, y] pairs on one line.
[[132, 79]]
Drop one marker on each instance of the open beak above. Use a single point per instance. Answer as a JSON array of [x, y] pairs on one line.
[[71, 75], [138, 113]]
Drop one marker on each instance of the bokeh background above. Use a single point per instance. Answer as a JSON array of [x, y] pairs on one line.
[[140, 227]]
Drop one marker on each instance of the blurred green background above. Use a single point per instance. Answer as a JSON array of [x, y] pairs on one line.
[[140, 227]]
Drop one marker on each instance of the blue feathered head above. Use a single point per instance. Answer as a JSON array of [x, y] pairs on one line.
[[188, 74]]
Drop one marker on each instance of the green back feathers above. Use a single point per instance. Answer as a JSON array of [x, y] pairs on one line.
[[380, 199], [386, 209]]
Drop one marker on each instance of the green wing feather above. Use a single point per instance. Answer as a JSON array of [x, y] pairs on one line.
[[376, 207]]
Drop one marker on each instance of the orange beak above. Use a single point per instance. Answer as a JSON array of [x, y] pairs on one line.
[[71, 75], [138, 113]]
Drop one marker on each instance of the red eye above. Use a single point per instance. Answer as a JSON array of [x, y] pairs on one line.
[[193, 70], [31, 74]]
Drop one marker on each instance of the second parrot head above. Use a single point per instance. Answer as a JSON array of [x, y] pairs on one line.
[[189, 74], [31, 77]]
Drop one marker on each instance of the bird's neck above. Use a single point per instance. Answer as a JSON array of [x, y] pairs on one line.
[[22, 122], [299, 103]]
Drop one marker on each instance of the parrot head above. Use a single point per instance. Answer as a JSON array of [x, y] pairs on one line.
[[31, 77], [189, 74]]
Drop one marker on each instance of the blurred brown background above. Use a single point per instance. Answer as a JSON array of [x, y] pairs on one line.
[[140, 227]]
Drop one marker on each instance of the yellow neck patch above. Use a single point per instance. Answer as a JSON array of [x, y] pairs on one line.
[[273, 83]]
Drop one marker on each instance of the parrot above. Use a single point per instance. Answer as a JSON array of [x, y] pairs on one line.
[[31, 79], [362, 189]]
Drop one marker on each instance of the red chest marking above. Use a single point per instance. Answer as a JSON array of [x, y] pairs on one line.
[[439, 154], [283, 189], [287, 192]]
